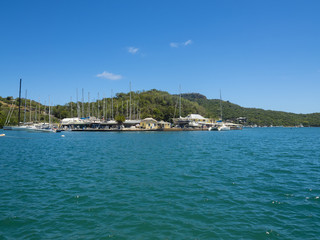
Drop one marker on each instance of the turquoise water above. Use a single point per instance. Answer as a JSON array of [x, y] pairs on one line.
[[249, 184]]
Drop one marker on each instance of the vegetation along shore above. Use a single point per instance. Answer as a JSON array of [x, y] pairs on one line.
[[155, 104]]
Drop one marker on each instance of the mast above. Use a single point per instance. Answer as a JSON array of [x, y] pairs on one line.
[[71, 107], [45, 111], [138, 110], [39, 110], [180, 101], [104, 106], [35, 113], [127, 109], [25, 107], [30, 110], [111, 104], [88, 104], [98, 110], [78, 110], [82, 104], [130, 100], [117, 108], [19, 102], [49, 112], [134, 115], [92, 110], [220, 106]]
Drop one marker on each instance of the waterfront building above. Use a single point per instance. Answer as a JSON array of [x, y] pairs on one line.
[[163, 125], [149, 123]]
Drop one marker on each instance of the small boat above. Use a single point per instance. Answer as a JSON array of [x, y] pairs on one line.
[[213, 128], [223, 127]]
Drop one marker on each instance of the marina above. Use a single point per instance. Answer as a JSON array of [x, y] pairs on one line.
[[160, 120], [192, 122]]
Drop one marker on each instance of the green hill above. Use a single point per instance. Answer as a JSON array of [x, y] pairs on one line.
[[254, 115], [159, 105]]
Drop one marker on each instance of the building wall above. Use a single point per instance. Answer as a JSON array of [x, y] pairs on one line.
[[148, 125], [164, 125]]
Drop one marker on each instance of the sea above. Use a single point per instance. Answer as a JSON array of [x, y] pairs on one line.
[[259, 183]]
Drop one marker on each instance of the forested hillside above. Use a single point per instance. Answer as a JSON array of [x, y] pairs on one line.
[[157, 104], [254, 115]]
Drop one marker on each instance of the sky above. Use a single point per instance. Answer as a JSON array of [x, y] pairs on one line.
[[262, 54]]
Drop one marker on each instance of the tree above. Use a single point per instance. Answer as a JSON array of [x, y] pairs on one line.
[[120, 120]]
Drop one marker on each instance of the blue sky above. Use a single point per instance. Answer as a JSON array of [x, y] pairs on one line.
[[263, 54]]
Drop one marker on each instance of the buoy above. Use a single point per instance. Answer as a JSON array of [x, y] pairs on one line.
[[62, 135], [2, 135]]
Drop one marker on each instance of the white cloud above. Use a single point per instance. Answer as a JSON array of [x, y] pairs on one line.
[[110, 76], [133, 50], [188, 42], [174, 45], [183, 44]]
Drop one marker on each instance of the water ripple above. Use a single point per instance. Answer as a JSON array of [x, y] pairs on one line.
[[250, 184]]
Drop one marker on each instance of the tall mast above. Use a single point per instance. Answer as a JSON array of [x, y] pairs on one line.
[[30, 110], [25, 106], [35, 113], [92, 110], [117, 108], [111, 104], [39, 110], [88, 104], [220, 106], [130, 101], [78, 110], [180, 101], [45, 110], [71, 115], [19, 102], [49, 112], [127, 109], [98, 107], [138, 109], [104, 106], [82, 104]]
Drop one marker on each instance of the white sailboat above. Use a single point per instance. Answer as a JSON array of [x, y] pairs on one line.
[[19, 127], [45, 127], [223, 126]]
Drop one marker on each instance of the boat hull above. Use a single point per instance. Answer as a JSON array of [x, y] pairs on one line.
[[15, 128]]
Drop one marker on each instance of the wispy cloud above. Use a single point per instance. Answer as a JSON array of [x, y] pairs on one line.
[[183, 44], [188, 42], [133, 50], [174, 45], [109, 76]]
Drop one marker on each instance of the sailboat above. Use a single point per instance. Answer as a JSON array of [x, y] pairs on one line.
[[7, 122], [223, 126], [46, 127]]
